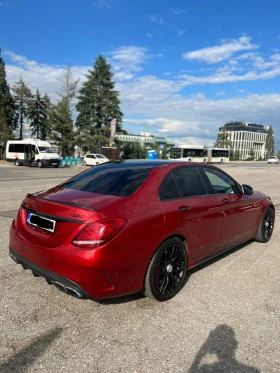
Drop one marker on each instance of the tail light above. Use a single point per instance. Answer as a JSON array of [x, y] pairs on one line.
[[98, 233]]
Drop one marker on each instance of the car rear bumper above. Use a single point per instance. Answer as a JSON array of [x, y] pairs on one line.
[[61, 282]]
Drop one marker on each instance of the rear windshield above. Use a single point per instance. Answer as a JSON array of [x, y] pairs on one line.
[[116, 180]]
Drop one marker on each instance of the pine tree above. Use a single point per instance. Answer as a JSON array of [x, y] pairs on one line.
[[61, 117], [269, 144], [38, 116], [48, 113], [22, 98], [98, 104], [63, 127], [7, 108]]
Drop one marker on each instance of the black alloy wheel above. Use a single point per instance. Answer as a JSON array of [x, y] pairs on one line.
[[266, 225], [167, 270]]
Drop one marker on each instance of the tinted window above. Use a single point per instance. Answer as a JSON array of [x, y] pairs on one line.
[[189, 181], [220, 182], [194, 153], [16, 148], [169, 189], [220, 153], [115, 181]]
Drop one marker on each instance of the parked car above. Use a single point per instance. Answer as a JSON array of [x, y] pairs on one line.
[[94, 159], [272, 160], [122, 228]]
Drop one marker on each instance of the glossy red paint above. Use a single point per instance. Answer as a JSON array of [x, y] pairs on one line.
[[128, 226]]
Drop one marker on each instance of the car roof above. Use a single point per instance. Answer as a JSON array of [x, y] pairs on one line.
[[149, 164]]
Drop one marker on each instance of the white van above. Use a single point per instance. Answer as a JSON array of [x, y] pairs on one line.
[[31, 152]]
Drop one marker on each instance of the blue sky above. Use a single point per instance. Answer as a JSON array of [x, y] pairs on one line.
[[183, 68]]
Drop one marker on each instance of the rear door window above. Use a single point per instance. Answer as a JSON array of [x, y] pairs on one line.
[[182, 182], [169, 189], [189, 181]]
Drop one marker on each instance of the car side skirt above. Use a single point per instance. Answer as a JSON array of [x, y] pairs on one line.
[[222, 251]]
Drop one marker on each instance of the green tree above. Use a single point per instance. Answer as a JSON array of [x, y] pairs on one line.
[[223, 140], [61, 116], [126, 150], [22, 98], [131, 150], [63, 127], [48, 113], [269, 144], [138, 151], [237, 155], [38, 117], [234, 155], [98, 103], [162, 151], [7, 108], [278, 154], [251, 154]]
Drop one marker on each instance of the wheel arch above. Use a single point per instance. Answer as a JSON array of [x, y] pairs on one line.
[[147, 285], [184, 241]]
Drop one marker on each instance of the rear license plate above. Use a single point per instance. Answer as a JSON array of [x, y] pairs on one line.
[[54, 164], [41, 222]]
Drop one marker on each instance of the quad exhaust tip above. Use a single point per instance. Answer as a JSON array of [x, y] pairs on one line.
[[67, 289]]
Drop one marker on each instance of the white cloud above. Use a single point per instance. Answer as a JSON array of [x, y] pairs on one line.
[[104, 4], [221, 52], [176, 12], [44, 77], [226, 77], [181, 32], [128, 60], [159, 103], [156, 19]]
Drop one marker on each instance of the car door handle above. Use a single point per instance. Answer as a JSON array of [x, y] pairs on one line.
[[225, 200], [184, 208]]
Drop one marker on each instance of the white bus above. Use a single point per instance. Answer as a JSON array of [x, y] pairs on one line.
[[218, 155], [189, 153], [31, 152]]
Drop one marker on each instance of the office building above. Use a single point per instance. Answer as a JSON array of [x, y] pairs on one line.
[[244, 137]]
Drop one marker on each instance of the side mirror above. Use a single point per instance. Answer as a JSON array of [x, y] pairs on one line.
[[247, 189]]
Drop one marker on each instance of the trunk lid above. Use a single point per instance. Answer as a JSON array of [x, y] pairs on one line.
[[52, 217]]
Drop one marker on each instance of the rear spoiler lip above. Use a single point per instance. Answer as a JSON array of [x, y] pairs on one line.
[[62, 202]]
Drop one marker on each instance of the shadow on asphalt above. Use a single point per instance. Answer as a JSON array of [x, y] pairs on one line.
[[220, 346], [23, 359]]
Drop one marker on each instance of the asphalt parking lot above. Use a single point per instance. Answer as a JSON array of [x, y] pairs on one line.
[[226, 319]]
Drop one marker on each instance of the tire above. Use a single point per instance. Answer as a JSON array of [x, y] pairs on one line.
[[17, 162], [266, 226], [167, 271], [56, 166], [39, 164]]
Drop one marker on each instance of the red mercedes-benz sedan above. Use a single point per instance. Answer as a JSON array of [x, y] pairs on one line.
[[135, 226]]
